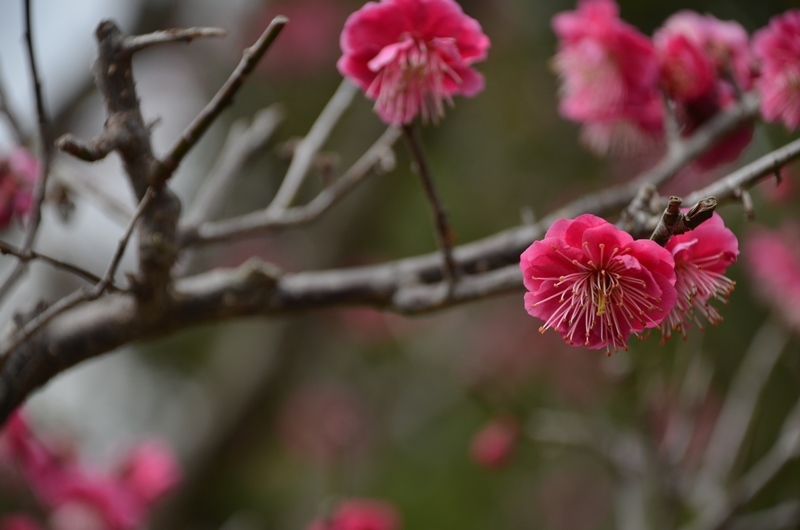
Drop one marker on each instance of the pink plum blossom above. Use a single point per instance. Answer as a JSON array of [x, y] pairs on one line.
[[705, 62], [701, 258], [410, 56], [773, 261], [360, 514], [18, 175], [595, 285], [493, 446], [609, 77], [778, 48]]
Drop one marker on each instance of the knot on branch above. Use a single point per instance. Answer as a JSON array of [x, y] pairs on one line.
[[673, 222]]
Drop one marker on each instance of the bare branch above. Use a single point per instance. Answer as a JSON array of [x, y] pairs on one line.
[[220, 101], [739, 408], [261, 221], [443, 231], [91, 151], [309, 146], [84, 294], [135, 43], [242, 145], [31, 255], [785, 450]]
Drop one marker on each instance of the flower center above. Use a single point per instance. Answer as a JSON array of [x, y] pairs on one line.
[[602, 301], [412, 78]]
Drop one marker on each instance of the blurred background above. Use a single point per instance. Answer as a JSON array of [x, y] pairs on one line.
[[275, 420]]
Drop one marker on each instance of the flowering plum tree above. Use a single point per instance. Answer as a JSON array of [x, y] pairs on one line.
[[688, 433]]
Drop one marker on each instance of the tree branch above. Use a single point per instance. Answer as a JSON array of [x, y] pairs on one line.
[[220, 101], [263, 221], [309, 146]]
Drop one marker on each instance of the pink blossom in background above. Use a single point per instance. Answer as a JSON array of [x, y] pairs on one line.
[[723, 45], [307, 45], [494, 445], [778, 49], [410, 56], [360, 514], [78, 497], [18, 175], [595, 285], [705, 63], [151, 471], [701, 258], [773, 262], [609, 77]]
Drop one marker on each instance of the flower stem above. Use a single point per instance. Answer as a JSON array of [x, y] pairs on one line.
[[444, 233]]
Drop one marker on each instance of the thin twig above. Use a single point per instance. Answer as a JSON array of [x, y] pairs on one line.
[[135, 43], [46, 147], [31, 255], [242, 145], [75, 180], [309, 146], [785, 450], [221, 99], [260, 222], [740, 406], [444, 233], [108, 277], [85, 294]]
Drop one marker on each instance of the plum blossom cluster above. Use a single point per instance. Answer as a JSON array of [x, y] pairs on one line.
[[412, 56], [72, 496], [596, 286], [19, 172], [614, 78]]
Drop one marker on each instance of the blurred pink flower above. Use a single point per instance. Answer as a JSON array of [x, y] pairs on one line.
[[18, 175], [701, 258], [778, 48], [773, 261], [307, 45], [724, 47], [705, 62], [493, 446], [19, 522], [609, 77], [360, 514], [150, 471], [595, 285], [410, 56], [78, 497]]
